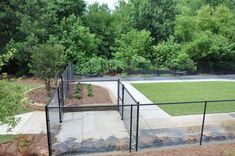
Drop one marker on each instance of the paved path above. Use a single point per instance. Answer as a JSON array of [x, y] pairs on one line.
[[30, 123]]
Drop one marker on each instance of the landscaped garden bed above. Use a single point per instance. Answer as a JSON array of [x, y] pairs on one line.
[[84, 94]]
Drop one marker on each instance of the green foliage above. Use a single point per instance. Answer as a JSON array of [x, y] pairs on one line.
[[11, 94], [47, 62], [6, 57], [132, 45], [93, 65], [77, 39], [154, 16], [78, 93], [173, 56], [97, 39], [99, 20], [206, 33], [90, 90]]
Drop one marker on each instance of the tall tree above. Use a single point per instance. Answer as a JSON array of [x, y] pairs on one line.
[[99, 19], [154, 16], [132, 47]]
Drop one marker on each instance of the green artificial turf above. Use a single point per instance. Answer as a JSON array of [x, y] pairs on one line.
[[190, 91]]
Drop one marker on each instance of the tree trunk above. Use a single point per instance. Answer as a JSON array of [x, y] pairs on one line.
[[48, 86]]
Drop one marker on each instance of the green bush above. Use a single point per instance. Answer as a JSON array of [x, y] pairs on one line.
[[92, 65], [90, 90], [11, 94], [46, 62], [78, 94]]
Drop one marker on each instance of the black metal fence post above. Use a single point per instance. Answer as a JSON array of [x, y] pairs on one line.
[[118, 92], [123, 87], [67, 82], [59, 103], [130, 141], [203, 122], [48, 130], [137, 127], [62, 88]]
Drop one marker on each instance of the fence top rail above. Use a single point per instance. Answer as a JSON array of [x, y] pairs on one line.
[[84, 107], [136, 102], [187, 102], [67, 67], [91, 80]]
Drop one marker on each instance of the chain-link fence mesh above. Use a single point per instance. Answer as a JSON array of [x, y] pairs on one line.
[[86, 132], [129, 115], [130, 126], [169, 125], [219, 122], [66, 78]]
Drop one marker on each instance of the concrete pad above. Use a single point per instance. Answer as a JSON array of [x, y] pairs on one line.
[[91, 125]]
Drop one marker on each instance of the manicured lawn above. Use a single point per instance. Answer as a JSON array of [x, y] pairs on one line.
[[7, 138], [190, 91]]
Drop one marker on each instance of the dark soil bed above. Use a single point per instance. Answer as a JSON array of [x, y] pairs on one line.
[[100, 96], [39, 95], [26, 145]]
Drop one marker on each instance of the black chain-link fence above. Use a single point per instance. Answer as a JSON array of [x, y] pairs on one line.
[[127, 125]]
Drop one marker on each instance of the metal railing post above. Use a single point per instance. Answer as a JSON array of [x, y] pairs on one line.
[[67, 82], [62, 84], [130, 141], [137, 127], [203, 122], [118, 93], [48, 130], [123, 87], [58, 94]]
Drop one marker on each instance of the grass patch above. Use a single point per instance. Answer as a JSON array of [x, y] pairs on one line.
[[11, 95], [190, 91], [7, 138]]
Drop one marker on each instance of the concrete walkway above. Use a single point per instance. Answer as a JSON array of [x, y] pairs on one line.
[[30, 123]]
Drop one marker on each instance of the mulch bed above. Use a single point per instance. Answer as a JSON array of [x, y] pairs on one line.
[[39, 95], [25, 145], [205, 150], [31, 80], [100, 96]]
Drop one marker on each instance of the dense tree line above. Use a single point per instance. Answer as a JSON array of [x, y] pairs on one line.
[[138, 34]]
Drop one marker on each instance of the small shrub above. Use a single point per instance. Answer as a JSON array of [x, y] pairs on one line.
[[89, 90], [78, 94], [4, 76]]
